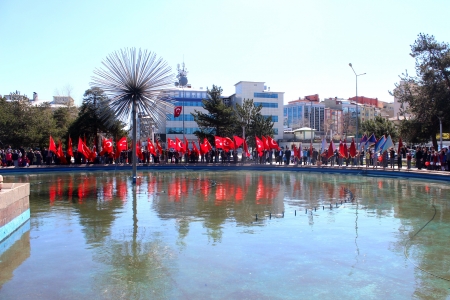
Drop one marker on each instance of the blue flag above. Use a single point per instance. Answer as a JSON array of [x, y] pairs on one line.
[[379, 144]]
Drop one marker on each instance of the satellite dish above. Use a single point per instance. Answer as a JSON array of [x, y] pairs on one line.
[[183, 80]]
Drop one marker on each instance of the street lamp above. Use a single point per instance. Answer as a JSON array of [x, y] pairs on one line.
[[356, 75], [440, 116], [310, 121]]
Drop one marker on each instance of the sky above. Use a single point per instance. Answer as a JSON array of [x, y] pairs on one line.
[[296, 47]]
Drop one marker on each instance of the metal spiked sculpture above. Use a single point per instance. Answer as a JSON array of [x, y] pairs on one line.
[[134, 80]]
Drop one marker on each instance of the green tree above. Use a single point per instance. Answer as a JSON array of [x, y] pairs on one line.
[[260, 126], [64, 117], [380, 126], [90, 121], [427, 94], [412, 131], [245, 113], [22, 124], [219, 120]]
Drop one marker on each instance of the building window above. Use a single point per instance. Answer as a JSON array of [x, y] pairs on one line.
[[274, 118], [265, 95], [267, 104]]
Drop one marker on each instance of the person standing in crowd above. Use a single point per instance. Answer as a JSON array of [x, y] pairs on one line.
[[38, 156], [287, 153], [419, 156], [399, 159], [375, 159], [9, 160], [447, 159], [408, 160], [280, 156], [367, 158], [15, 158], [392, 157], [442, 160], [31, 157]]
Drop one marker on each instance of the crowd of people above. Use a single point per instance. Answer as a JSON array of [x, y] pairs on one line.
[[418, 157]]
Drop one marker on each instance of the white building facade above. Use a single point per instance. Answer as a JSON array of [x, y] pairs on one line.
[[272, 102]]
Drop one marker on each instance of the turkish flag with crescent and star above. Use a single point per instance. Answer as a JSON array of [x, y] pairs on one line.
[[179, 145], [171, 144], [218, 141], [107, 146], [272, 143], [177, 111], [259, 146], [150, 147], [122, 144]]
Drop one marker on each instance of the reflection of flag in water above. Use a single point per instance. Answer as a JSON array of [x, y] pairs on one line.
[[83, 188], [122, 189], [205, 188], [52, 193], [151, 185], [175, 191], [59, 192], [225, 192], [342, 193], [239, 194], [264, 193], [221, 194], [70, 189], [108, 191]]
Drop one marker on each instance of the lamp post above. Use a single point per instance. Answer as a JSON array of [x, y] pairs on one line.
[[356, 75], [440, 113], [310, 121]]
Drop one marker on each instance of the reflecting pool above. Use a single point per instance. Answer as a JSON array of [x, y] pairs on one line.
[[229, 235]]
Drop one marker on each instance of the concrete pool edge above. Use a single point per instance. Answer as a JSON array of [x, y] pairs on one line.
[[392, 173]]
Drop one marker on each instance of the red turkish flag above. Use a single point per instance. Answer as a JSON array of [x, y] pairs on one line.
[[179, 145], [238, 141], [139, 150], [259, 146], [171, 144], [83, 149], [158, 146], [218, 142], [150, 147], [227, 144], [194, 147], [246, 149], [69, 147], [272, 143], [207, 144], [265, 143], [107, 146], [122, 144], [186, 145], [177, 111], [52, 145], [59, 150]]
